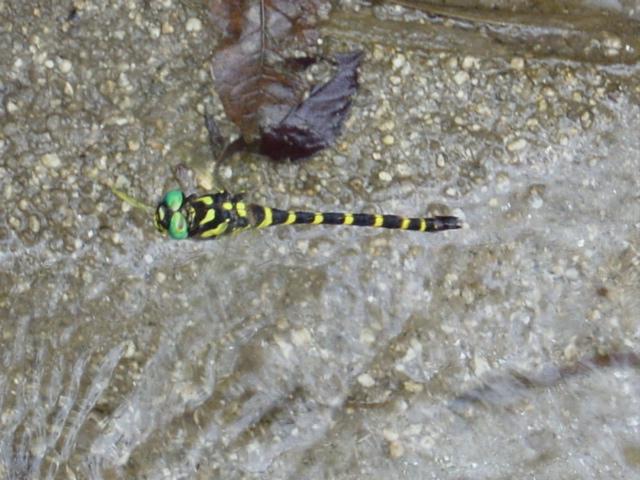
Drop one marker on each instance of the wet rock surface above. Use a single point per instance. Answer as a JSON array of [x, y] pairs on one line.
[[505, 349]]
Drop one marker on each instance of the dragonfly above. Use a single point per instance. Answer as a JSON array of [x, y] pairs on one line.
[[211, 215]]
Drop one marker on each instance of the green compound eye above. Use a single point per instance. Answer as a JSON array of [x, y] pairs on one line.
[[178, 229], [173, 200]]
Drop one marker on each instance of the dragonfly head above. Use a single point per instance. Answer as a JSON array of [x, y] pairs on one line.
[[170, 215]]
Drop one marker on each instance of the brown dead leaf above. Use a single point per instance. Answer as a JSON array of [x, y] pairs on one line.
[[253, 73]]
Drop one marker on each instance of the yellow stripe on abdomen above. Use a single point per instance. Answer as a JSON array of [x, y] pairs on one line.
[[405, 223], [317, 219], [268, 218], [291, 218], [377, 220], [348, 219]]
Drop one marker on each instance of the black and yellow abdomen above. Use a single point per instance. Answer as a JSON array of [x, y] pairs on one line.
[[270, 216], [214, 214]]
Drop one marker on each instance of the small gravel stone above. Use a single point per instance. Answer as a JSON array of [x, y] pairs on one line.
[[301, 337], [167, 28], [388, 140], [367, 337], [51, 160], [612, 42], [469, 62], [586, 119], [385, 176], [64, 65], [396, 450], [517, 63], [517, 145], [413, 387], [14, 222], [34, 224], [193, 25], [399, 61], [536, 201], [366, 380], [68, 89], [461, 77], [571, 274]]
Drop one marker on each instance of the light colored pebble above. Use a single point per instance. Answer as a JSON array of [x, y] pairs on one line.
[[226, 172], [388, 140], [11, 107], [517, 63], [34, 224], [387, 126], [517, 145], [548, 92], [571, 274], [469, 62], [390, 435], [385, 176], [51, 160], [379, 53], [167, 28], [413, 387], [366, 380], [396, 450], [68, 89], [285, 347], [14, 222], [130, 349], [461, 77], [367, 337], [480, 366], [301, 337], [398, 61], [612, 42], [64, 65], [404, 170], [571, 351], [536, 201], [193, 25], [302, 246]]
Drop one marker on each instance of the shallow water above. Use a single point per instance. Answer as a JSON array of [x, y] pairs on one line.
[[504, 350]]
